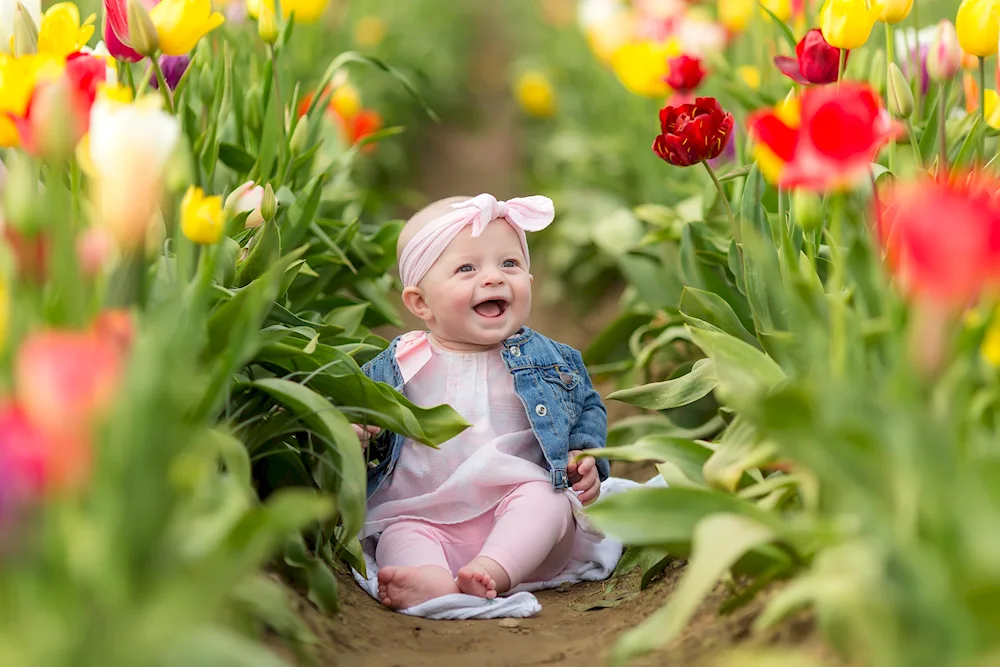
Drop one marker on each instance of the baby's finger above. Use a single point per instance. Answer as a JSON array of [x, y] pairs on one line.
[[587, 464], [590, 495], [571, 467], [374, 430]]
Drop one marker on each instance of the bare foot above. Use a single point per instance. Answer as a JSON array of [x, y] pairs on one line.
[[473, 579], [405, 587]]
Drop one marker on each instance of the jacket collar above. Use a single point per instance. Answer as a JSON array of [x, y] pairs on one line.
[[520, 338]]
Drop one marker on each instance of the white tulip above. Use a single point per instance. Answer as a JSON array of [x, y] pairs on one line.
[[247, 197], [8, 10], [129, 147]]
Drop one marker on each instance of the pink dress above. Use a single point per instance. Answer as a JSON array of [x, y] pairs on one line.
[[485, 492], [471, 473]]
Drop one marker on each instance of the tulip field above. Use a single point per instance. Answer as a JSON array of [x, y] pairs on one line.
[[777, 243]]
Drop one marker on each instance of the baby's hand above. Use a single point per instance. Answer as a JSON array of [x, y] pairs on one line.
[[366, 433], [584, 478]]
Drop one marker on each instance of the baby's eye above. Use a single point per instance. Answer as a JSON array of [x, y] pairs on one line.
[[465, 268], [509, 263]]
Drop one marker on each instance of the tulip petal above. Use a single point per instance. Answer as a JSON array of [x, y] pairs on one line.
[[790, 67]]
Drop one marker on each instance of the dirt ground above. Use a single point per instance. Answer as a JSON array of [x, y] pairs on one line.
[[569, 630]]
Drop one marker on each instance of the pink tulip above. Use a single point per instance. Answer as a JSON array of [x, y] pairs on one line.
[[94, 249], [23, 451], [65, 379], [247, 197], [116, 32], [944, 59]]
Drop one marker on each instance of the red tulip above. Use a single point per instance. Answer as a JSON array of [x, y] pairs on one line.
[[359, 126], [58, 113], [943, 238], [684, 73], [841, 131], [815, 62], [693, 133], [117, 326], [31, 254], [23, 454]]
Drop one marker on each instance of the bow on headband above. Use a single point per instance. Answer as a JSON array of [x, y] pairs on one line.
[[523, 214]]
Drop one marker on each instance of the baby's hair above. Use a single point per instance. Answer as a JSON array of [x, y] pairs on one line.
[[419, 219]]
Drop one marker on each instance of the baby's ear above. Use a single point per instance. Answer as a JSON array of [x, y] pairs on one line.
[[531, 279], [413, 299]]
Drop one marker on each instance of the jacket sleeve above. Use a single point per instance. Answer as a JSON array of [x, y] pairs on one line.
[[591, 428]]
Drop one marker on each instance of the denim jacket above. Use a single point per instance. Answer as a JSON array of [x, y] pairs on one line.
[[564, 410]]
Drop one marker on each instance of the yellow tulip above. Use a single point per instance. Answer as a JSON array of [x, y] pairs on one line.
[[18, 77], [306, 11], [641, 66], [535, 95], [736, 14], [181, 23], [750, 75], [780, 8], [368, 31], [992, 109], [346, 101], [846, 24], [978, 26], [201, 216], [990, 348], [893, 11], [61, 32]]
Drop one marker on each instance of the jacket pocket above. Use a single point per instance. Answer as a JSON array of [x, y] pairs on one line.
[[562, 376]]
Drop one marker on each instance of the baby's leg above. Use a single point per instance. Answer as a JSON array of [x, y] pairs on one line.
[[531, 540], [412, 565]]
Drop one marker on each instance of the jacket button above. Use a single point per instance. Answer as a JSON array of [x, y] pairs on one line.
[[565, 378], [516, 351], [541, 410]]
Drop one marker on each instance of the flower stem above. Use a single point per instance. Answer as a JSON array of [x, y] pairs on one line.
[[982, 107], [164, 88], [942, 137], [912, 135], [841, 66], [888, 75], [734, 224], [838, 325], [279, 109], [918, 69]]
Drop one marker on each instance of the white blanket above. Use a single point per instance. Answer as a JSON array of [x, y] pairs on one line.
[[593, 559]]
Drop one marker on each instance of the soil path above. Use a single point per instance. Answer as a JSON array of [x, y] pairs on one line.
[[482, 156]]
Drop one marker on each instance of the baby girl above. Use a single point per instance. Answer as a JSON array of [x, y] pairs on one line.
[[491, 508]]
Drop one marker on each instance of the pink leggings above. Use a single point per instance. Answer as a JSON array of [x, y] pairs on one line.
[[529, 534]]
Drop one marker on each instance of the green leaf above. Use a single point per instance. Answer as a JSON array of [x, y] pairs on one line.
[[265, 252], [666, 517], [742, 370], [672, 393], [719, 542], [212, 646], [335, 374], [235, 158], [681, 459], [266, 601], [712, 308], [335, 430], [738, 449], [786, 32], [320, 582]]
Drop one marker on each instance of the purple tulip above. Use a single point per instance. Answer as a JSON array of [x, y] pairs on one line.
[[907, 68], [173, 69]]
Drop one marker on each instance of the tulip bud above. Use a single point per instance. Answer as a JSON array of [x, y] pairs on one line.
[[206, 84], [251, 108], [20, 192], [268, 205], [25, 32], [142, 35], [56, 126], [807, 209], [300, 136], [877, 78], [267, 24], [178, 174], [899, 93], [944, 59]]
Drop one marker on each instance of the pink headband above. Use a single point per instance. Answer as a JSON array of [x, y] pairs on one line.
[[524, 214]]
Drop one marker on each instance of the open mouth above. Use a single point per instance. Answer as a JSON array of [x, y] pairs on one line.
[[491, 308]]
